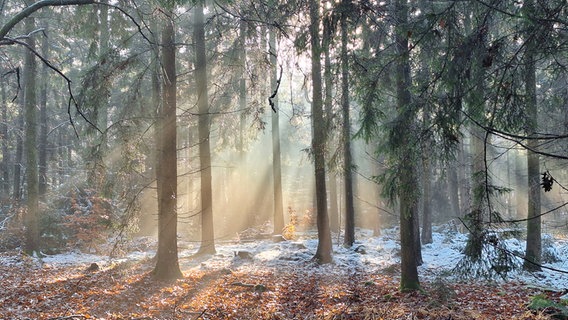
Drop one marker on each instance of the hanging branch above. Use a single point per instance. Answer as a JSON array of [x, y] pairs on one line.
[[33, 8], [72, 99], [275, 91]]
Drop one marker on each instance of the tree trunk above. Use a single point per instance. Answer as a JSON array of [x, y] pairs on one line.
[[19, 152], [102, 122], [4, 171], [323, 253], [167, 264], [207, 231], [476, 109], [43, 123], [328, 106], [533, 251], [32, 245], [276, 164], [347, 158], [407, 174], [453, 188], [426, 235], [464, 182]]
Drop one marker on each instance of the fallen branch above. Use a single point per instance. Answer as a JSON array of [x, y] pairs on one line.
[[71, 317], [257, 287]]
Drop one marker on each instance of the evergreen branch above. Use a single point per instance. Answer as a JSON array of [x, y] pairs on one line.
[[539, 215], [72, 99], [26, 12]]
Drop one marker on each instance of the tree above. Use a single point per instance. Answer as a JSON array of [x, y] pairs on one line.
[[347, 157], [276, 163], [476, 45], [207, 231], [42, 158], [406, 164], [4, 170], [323, 252], [167, 265], [534, 243], [32, 245], [327, 39]]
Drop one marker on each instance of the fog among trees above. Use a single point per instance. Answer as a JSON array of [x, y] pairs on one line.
[[209, 121]]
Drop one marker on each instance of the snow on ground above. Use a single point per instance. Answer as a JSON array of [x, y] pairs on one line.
[[374, 254]]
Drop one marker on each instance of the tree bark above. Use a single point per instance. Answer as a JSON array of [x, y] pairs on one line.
[[533, 250], [207, 231], [328, 106], [407, 175], [167, 264], [323, 252], [276, 163], [43, 123], [18, 157], [4, 171], [426, 235], [32, 244], [346, 130]]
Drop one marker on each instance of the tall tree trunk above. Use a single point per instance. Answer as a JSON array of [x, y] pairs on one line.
[[276, 164], [464, 182], [32, 244], [105, 185], [242, 91], [18, 157], [207, 231], [476, 109], [407, 173], [4, 171], [533, 251], [328, 107], [347, 158], [453, 188], [323, 253], [167, 264], [426, 235], [43, 123]]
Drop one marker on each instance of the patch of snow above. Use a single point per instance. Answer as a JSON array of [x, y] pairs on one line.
[[368, 253]]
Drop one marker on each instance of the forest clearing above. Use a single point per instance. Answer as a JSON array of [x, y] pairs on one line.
[[274, 280]]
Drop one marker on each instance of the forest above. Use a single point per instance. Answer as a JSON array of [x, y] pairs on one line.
[[301, 159]]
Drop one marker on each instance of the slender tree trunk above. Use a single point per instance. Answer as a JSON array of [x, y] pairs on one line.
[[105, 185], [32, 244], [533, 251], [19, 152], [476, 109], [276, 164], [463, 180], [333, 206], [207, 232], [323, 253], [4, 171], [43, 123], [347, 158], [167, 264], [426, 235], [407, 175], [242, 91], [452, 175], [328, 106]]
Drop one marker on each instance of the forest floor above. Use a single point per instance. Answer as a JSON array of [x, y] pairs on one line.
[[266, 280]]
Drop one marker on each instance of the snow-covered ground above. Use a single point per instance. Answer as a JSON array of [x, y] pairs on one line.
[[375, 254]]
